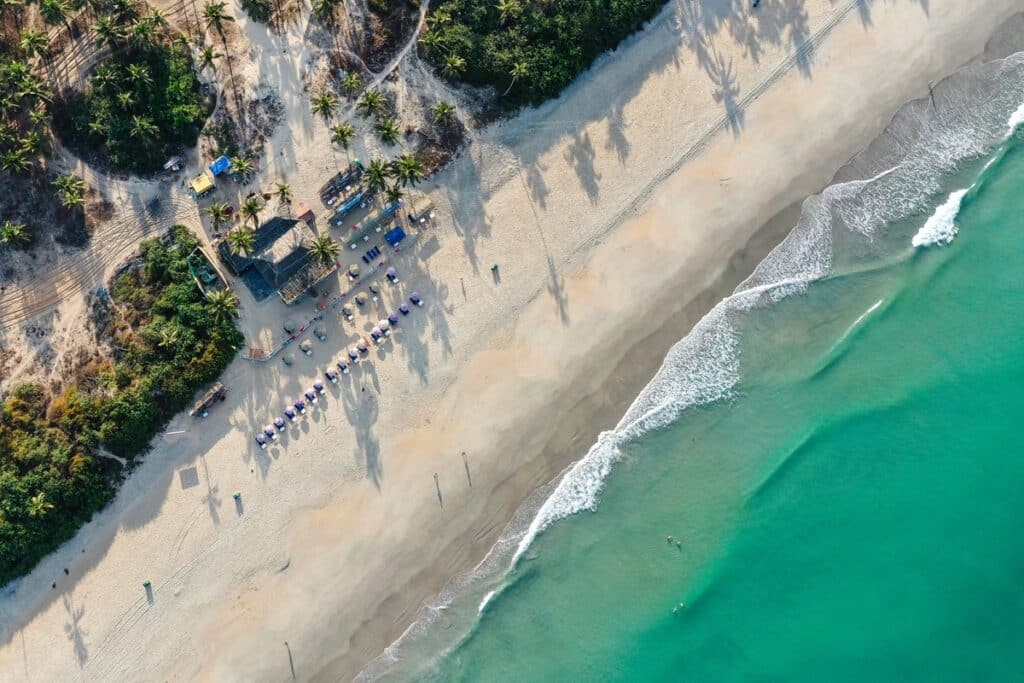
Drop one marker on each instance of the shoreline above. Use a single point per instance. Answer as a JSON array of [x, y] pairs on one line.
[[231, 614]]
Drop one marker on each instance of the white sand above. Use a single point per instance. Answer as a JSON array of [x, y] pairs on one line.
[[341, 535]]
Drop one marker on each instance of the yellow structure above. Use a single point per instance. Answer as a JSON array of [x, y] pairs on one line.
[[202, 184]]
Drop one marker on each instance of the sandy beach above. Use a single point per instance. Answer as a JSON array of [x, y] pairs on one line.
[[617, 215]]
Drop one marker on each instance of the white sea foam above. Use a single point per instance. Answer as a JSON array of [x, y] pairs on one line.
[[1016, 119], [940, 228], [487, 599]]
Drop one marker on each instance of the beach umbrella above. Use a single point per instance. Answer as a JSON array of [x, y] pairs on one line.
[[332, 375], [261, 440], [290, 326], [376, 334], [392, 274], [288, 358], [353, 270], [300, 406], [310, 395], [384, 325], [360, 299], [320, 331], [353, 354], [404, 308], [346, 310], [343, 366], [415, 298], [279, 423], [361, 345], [319, 386], [374, 289], [270, 432], [289, 413], [393, 318], [306, 346]]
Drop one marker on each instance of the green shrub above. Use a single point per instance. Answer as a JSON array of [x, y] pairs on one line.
[[177, 347]]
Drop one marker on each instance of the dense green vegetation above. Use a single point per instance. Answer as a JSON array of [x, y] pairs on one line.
[[529, 50], [169, 340], [139, 108]]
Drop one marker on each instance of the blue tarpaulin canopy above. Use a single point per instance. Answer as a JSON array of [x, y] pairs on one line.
[[394, 236], [220, 165]]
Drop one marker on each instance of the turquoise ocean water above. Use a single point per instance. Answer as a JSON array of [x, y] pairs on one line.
[[838, 458]]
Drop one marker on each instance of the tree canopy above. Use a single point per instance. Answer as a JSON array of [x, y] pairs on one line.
[[527, 50]]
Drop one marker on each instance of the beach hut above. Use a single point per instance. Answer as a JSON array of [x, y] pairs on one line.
[[304, 213], [347, 311], [321, 332], [415, 298], [288, 358], [290, 325], [220, 165], [202, 184], [392, 275], [393, 318], [306, 346]]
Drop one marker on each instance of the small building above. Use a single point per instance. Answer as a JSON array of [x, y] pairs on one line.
[[202, 184], [304, 213], [220, 165], [280, 260]]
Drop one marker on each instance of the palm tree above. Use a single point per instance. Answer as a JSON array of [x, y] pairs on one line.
[[432, 42], [54, 12], [442, 112], [223, 305], [15, 161], [372, 102], [241, 166], [387, 131], [143, 128], [509, 9], [14, 234], [215, 15], [108, 32], [220, 214], [324, 10], [408, 170], [453, 66], [71, 189], [284, 193], [126, 99], [377, 173], [206, 57], [519, 70], [38, 505], [324, 105], [251, 209], [143, 32], [351, 83], [32, 143], [33, 43], [139, 73], [393, 194], [342, 134], [324, 249], [242, 241]]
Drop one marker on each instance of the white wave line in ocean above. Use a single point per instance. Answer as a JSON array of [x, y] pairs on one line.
[[940, 228]]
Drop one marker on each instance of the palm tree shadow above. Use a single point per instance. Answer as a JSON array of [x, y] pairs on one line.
[[73, 629], [726, 91]]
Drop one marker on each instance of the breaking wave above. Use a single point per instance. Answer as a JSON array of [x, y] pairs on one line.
[[940, 228]]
